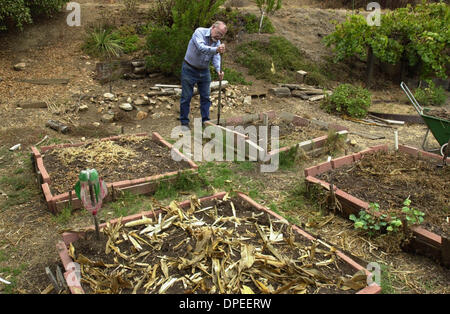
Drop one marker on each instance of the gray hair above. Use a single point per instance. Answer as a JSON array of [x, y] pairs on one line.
[[220, 23]]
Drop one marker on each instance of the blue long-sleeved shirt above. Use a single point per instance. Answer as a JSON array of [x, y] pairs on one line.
[[202, 50]]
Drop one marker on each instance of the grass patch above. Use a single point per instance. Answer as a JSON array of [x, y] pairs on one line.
[[12, 274], [64, 216], [231, 75], [128, 204], [19, 185], [184, 183], [277, 61]]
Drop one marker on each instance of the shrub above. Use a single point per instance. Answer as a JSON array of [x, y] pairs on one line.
[[167, 44], [430, 95], [17, 13], [417, 34], [348, 99]]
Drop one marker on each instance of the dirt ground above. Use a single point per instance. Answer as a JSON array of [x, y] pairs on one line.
[[51, 49]]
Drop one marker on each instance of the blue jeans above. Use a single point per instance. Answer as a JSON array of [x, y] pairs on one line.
[[190, 77]]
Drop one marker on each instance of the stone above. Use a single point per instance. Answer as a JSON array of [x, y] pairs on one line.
[[177, 91], [107, 118], [20, 66], [280, 91], [83, 108], [215, 85], [316, 98], [300, 94], [141, 115], [168, 107], [353, 143], [129, 100], [247, 101], [126, 106], [108, 96], [139, 70], [140, 102], [301, 75], [138, 64], [96, 124]]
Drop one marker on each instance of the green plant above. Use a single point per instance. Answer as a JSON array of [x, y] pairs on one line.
[[267, 7], [251, 25], [17, 13], [412, 216], [335, 142], [260, 57], [430, 95], [127, 204], [232, 76], [374, 224], [167, 44], [419, 35], [348, 99], [64, 216], [102, 42]]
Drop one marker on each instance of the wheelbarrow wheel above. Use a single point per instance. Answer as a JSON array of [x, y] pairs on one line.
[[445, 149]]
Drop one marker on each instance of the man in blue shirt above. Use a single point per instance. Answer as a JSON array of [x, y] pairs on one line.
[[204, 47]]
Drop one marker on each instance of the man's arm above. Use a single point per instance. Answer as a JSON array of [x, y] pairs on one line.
[[199, 42]]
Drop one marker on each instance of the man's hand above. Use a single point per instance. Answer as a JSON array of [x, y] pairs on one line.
[[221, 48], [220, 74]]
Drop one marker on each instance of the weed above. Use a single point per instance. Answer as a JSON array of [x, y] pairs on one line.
[[289, 159], [412, 216], [64, 216], [127, 204], [335, 143]]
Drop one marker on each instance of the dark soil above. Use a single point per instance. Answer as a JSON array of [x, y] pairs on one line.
[[390, 178], [151, 159], [178, 243]]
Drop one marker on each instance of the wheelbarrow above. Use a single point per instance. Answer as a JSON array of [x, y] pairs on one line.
[[439, 127]]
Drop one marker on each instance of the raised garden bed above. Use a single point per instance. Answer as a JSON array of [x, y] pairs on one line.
[[376, 175], [294, 131], [134, 163], [212, 245]]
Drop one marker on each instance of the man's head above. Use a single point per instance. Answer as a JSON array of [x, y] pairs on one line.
[[218, 30]]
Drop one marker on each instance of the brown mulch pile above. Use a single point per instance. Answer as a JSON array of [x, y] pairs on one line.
[[390, 178], [125, 159], [219, 246]]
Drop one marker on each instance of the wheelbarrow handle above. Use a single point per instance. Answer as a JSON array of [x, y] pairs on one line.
[[411, 98]]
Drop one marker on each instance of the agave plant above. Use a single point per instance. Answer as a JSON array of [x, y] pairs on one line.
[[102, 43]]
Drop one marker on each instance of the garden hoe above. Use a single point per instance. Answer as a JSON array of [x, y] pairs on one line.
[[220, 92]]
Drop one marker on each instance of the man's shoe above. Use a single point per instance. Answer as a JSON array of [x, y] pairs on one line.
[[185, 127]]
